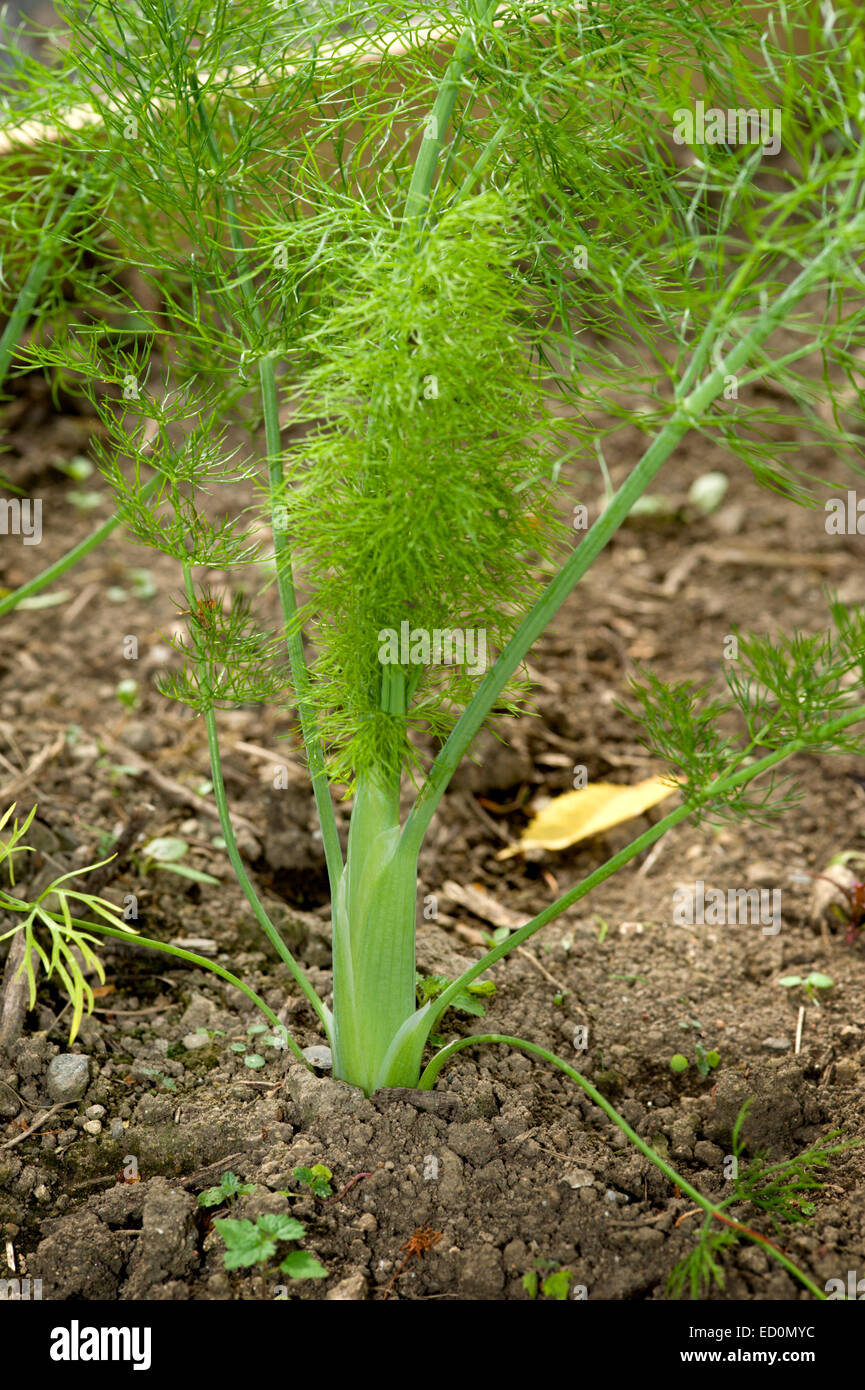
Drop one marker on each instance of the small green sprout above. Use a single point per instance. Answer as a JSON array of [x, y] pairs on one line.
[[164, 853], [126, 692], [226, 1192], [705, 1061], [317, 1179], [810, 983], [249, 1243], [556, 1285], [467, 1001]]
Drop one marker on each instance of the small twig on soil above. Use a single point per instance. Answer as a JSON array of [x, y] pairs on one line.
[[174, 790], [494, 828], [133, 1013], [37, 1124], [79, 604], [212, 1167], [799, 1022], [521, 951], [13, 1092], [45, 755], [651, 858]]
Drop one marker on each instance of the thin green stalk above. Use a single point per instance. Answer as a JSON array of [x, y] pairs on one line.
[[29, 292], [717, 788], [435, 1066], [685, 415], [293, 637], [245, 882], [232, 850], [282, 550], [193, 959], [420, 188], [483, 159]]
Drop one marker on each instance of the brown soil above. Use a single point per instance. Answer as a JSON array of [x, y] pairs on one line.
[[507, 1159]]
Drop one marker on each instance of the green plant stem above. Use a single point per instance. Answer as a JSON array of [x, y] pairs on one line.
[[282, 550], [293, 635], [432, 1070], [686, 414], [72, 557], [245, 882], [29, 292], [193, 959], [228, 835], [420, 188], [725, 783]]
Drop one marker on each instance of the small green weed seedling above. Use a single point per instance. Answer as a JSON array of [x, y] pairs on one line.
[[778, 1190], [275, 1037], [453, 282], [226, 1192], [465, 1001], [705, 1061], [810, 983], [317, 1180], [250, 1243], [554, 1286], [166, 852]]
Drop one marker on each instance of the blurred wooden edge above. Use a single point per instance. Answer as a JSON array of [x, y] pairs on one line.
[[350, 54]]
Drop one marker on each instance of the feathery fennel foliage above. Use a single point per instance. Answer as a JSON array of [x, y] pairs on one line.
[[780, 1191], [442, 261], [421, 412]]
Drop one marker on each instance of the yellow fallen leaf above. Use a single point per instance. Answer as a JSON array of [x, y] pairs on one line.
[[589, 811]]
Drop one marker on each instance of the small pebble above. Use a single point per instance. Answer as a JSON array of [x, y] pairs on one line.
[[95, 1112], [579, 1177], [319, 1056], [67, 1076], [193, 1041], [777, 1044], [92, 1127]]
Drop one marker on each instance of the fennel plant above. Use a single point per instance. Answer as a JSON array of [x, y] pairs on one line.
[[410, 246]]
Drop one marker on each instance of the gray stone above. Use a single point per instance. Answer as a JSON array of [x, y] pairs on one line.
[[67, 1076], [319, 1056], [579, 1177], [320, 1097], [350, 1290]]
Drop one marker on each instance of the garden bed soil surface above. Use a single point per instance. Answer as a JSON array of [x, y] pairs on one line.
[[507, 1159]]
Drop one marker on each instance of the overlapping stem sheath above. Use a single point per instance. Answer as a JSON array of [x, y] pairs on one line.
[[373, 938]]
